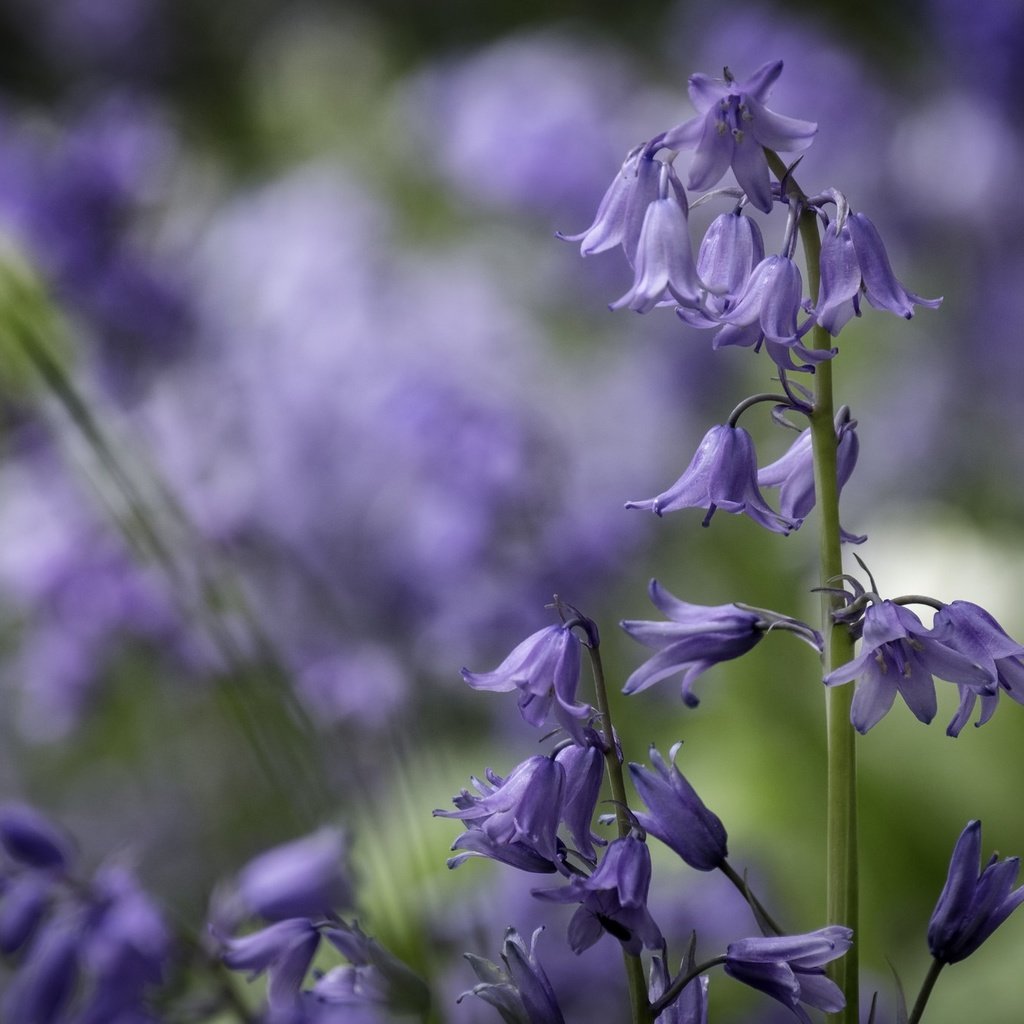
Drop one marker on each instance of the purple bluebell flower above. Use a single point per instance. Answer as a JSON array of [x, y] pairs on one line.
[[545, 669], [900, 655], [283, 950], [24, 899], [731, 248], [732, 129], [515, 819], [790, 968], [678, 816], [584, 771], [521, 991], [793, 473], [612, 899], [46, 978], [972, 906], [854, 261], [665, 267], [721, 475], [622, 211], [31, 839], [699, 636], [691, 1007], [302, 878], [970, 629]]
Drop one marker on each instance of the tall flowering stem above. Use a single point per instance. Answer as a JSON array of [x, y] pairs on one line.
[[842, 900], [640, 1010]]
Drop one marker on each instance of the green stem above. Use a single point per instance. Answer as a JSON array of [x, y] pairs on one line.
[[841, 841], [926, 990], [640, 1009], [748, 894]]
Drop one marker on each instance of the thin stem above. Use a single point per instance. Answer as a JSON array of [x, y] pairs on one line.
[[748, 894], [639, 1007], [926, 990], [841, 839], [673, 992]]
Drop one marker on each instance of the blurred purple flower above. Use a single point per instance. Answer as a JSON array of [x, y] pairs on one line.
[[854, 261], [721, 475], [900, 655], [24, 899], [31, 839], [283, 950], [678, 816], [732, 129], [790, 968], [972, 906], [969, 629], [612, 899], [46, 977]]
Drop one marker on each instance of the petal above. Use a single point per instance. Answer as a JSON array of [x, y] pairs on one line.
[[750, 166], [955, 898], [872, 700], [705, 92], [776, 131], [918, 691], [759, 84], [713, 155], [840, 279]]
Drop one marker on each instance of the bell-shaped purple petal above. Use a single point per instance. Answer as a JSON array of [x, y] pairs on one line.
[[972, 905], [25, 900], [732, 246], [584, 772], [721, 475], [31, 839], [840, 279], [46, 978], [772, 298], [678, 816], [900, 655]]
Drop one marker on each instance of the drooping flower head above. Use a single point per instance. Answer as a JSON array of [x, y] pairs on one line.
[[972, 906], [699, 636], [790, 968], [545, 669], [612, 899], [854, 262], [678, 816], [732, 129], [970, 629], [900, 655], [721, 475]]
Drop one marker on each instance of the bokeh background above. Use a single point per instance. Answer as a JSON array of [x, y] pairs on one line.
[[303, 407]]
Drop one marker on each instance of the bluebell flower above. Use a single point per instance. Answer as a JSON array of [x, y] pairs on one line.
[[665, 267], [514, 819], [732, 129], [612, 899], [46, 978], [24, 900], [854, 262], [900, 655], [970, 629], [521, 991], [692, 1005], [721, 475], [699, 636], [623, 209], [678, 816], [584, 772], [545, 669], [793, 473], [972, 906], [790, 968], [730, 249], [31, 839]]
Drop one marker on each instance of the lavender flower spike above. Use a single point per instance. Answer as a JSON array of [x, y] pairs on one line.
[[972, 906], [544, 668], [854, 260], [699, 636], [790, 968], [899, 655], [678, 816], [733, 128], [970, 629], [613, 899], [721, 475]]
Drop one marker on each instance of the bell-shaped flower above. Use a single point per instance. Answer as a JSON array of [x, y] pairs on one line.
[[665, 267], [970, 629], [678, 817], [721, 475], [790, 968], [621, 213], [732, 246], [793, 473], [732, 129], [854, 262], [521, 991], [515, 819], [612, 899], [545, 669], [46, 978], [900, 655], [25, 900], [691, 1006], [284, 950], [699, 636], [584, 771], [304, 878], [972, 905], [32, 840]]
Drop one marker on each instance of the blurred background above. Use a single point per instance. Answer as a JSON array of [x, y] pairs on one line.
[[304, 407]]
